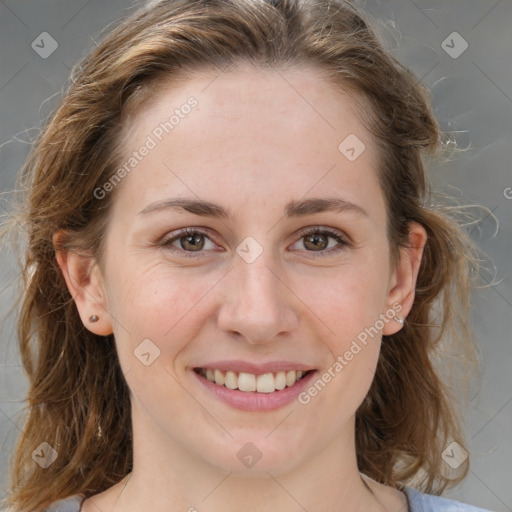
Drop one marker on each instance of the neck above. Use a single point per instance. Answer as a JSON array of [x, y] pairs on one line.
[[167, 476]]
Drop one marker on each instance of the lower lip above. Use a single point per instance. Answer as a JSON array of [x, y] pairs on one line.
[[252, 400]]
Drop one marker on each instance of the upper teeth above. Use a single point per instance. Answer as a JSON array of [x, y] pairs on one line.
[[266, 383]]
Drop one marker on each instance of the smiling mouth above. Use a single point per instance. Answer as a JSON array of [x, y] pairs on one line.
[[249, 382]]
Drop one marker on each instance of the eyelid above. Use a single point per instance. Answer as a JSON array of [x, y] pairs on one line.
[[175, 235], [333, 232], [338, 235]]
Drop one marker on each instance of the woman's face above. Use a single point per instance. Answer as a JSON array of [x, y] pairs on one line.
[[248, 290]]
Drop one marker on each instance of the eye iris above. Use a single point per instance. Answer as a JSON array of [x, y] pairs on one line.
[[196, 239], [316, 237]]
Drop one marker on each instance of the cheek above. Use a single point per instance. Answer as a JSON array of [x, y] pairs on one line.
[[158, 304], [347, 299], [348, 307]]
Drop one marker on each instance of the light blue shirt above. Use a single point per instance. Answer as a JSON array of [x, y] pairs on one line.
[[418, 502]]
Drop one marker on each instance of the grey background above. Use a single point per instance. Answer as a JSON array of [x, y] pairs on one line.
[[473, 100]]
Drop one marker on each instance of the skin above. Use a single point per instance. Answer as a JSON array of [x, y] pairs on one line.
[[256, 140]]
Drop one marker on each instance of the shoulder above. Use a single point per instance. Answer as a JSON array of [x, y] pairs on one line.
[[71, 504], [420, 502]]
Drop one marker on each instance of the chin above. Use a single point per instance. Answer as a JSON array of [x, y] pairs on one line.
[[255, 455]]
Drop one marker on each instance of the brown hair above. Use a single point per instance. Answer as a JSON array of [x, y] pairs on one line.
[[78, 400]]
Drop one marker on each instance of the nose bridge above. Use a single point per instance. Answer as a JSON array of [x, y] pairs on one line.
[[258, 280], [258, 305]]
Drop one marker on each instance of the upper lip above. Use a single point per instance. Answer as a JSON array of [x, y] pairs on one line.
[[256, 369]]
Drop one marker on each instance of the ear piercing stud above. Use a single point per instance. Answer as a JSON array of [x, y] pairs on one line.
[[399, 320]]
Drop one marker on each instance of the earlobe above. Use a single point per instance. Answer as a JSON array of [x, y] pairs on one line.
[[85, 284], [402, 293]]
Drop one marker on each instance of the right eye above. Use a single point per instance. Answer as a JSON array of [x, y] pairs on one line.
[[191, 240]]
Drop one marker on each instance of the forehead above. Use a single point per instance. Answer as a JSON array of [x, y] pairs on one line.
[[302, 94], [286, 130]]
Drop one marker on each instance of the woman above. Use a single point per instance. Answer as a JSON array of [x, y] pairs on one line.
[[232, 275]]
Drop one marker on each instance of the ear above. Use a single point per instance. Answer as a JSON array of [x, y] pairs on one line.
[[85, 284], [403, 279]]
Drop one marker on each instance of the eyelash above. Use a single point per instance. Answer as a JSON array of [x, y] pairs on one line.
[[314, 231]]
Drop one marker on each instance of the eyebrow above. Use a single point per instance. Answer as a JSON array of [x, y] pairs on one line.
[[292, 209]]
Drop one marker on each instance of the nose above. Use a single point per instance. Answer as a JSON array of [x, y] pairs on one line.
[[258, 305]]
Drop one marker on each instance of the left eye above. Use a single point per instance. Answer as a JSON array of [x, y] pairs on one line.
[[192, 241], [318, 239]]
